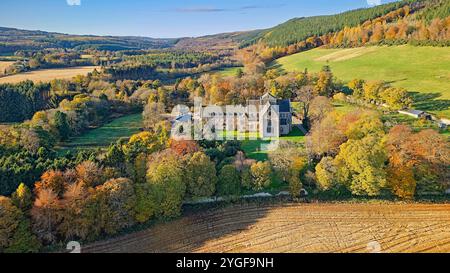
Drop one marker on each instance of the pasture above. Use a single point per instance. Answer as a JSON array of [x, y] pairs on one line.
[[46, 75], [227, 72], [423, 71], [295, 228], [102, 137]]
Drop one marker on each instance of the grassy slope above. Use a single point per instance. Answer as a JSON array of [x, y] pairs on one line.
[[425, 70], [103, 136], [229, 71], [253, 150]]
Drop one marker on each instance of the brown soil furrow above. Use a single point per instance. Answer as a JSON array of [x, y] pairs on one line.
[[295, 228]]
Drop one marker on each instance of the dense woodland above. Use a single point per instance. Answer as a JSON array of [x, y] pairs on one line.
[[416, 22], [48, 198], [12, 40], [299, 29]]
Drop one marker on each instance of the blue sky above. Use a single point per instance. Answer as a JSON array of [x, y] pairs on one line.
[[162, 18]]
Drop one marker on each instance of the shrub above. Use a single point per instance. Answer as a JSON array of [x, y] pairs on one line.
[[229, 181], [201, 176], [261, 173], [15, 232]]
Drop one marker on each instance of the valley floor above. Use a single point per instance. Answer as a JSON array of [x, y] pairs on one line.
[[296, 228]]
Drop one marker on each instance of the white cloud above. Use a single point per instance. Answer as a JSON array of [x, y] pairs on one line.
[[73, 2], [374, 2]]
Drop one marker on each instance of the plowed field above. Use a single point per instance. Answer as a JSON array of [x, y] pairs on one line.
[[296, 228]]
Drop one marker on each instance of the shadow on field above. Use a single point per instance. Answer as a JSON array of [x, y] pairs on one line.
[[430, 101], [396, 81], [190, 232]]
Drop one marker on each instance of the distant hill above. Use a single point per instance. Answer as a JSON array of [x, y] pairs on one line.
[[12, 40], [299, 29], [285, 34]]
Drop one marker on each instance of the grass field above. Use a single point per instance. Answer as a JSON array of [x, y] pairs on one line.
[[295, 228], [103, 136], [255, 149], [46, 75], [424, 71], [4, 65], [226, 72]]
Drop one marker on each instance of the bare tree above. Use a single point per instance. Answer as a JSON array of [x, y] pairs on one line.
[[153, 114], [305, 95]]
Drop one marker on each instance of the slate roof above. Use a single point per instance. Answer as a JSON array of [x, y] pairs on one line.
[[284, 106]]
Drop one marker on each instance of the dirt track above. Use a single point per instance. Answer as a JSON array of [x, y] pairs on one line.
[[296, 228]]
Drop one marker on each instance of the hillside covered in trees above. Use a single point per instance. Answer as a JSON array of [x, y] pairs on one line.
[[299, 29], [12, 40]]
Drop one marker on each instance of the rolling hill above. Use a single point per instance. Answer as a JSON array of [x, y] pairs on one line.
[[425, 71], [299, 29], [12, 40]]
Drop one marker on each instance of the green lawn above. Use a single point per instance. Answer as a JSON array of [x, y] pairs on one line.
[[345, 107], [424, 71], [253, 150], [229, 71], [101, 137]]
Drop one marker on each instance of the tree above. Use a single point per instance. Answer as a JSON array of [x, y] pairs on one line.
[[284, 158], [357, 87], [366, 123], [360, 166], [165, 175], [76, 221], [241, 162], [261, 173], [324, 84], [121, 200], [201, 176], [62, 125], [326, 174], [239, 73], [46, 216], [153, 114], [320, 107], [425, 152], [15, 232], [90, 174], [145, 142], [146, 203], [372, 90], [401, 180], [305, 95], [184, 147], [229, 181], [396, 98], [295, 184], [22, 198], [52, 180], [115, 157], [30, 140], [325, 137], [246, 178]]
